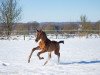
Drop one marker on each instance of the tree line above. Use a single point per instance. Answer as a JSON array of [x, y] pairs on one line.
[[52, 27]]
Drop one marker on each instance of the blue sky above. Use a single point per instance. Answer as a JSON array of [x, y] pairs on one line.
[[59, 10]]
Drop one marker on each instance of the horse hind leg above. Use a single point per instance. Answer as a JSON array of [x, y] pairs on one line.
[[58, 54], [49, 56], [58, 57]]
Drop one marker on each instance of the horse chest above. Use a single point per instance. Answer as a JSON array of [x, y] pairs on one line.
[[42, 45]]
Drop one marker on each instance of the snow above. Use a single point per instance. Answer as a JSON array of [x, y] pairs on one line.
[[79, 56]]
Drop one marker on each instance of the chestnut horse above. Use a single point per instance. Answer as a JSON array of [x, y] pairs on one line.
[[45, 45]]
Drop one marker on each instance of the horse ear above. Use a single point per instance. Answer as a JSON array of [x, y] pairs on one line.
[[37, 30]]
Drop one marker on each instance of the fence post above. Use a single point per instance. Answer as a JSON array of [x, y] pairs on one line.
[[24, 36]]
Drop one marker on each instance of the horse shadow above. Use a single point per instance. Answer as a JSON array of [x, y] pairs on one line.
[[80, 62]]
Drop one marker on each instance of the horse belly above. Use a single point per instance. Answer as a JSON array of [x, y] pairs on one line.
[[52, 47]]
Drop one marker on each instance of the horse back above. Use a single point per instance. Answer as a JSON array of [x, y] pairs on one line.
[[53, 45]]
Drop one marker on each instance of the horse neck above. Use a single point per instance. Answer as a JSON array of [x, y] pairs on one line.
[[45, 39]]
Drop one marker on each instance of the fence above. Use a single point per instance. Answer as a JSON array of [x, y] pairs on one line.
[[54, 34]]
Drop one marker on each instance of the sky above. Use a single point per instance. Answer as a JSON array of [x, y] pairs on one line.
[[59, 10]]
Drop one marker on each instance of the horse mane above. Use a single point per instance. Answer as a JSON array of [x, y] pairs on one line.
[[45, 38]]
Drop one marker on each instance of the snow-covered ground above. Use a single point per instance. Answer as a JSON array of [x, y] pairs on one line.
[[79, 56]]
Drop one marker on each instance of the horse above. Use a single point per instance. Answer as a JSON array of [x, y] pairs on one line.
[[45, 45]]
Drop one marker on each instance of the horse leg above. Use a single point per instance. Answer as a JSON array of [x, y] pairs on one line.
[[58, 54], [36, 48], [49, 56], [40, 53], [58, 57]]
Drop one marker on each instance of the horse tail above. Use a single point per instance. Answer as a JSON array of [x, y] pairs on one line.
[[61, 42]]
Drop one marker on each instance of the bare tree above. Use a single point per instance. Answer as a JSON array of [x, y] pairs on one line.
[[97, 27], [83, 18], [49, 28], [9, 14], [86, 25]]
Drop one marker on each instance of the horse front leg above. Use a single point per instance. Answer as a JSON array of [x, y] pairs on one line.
[[36, 48], [40, 53]]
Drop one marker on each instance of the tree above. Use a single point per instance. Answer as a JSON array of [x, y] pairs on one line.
[[9, 14], [49, 28], [97, 27], [83, 18], [86, 25], [70, 28], [83, 21]]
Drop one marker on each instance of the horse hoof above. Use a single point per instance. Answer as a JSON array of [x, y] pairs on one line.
[[28, 61], [41, 58]]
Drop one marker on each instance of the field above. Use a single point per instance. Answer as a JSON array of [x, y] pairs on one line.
[[79, 56]]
